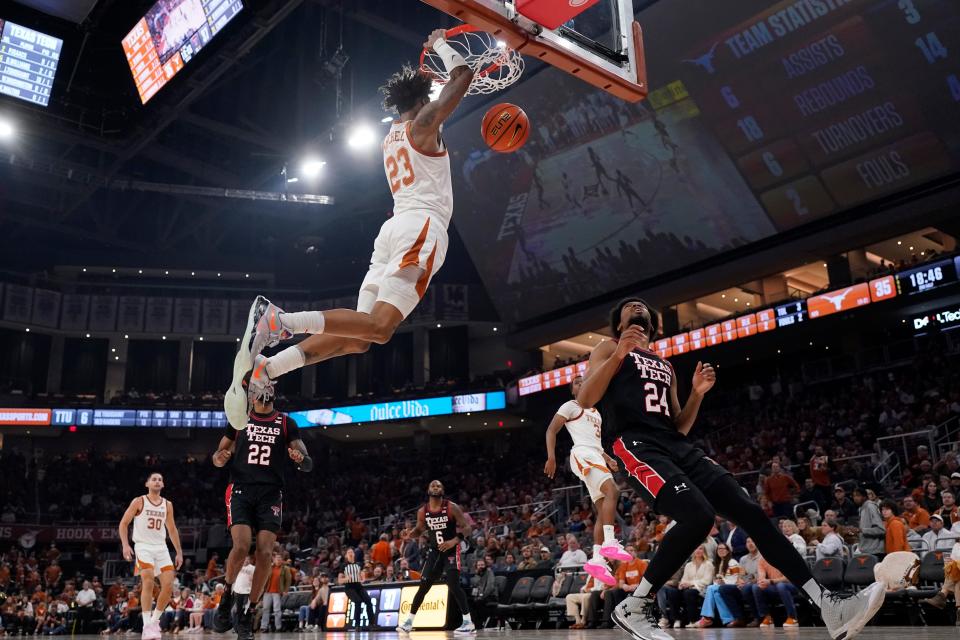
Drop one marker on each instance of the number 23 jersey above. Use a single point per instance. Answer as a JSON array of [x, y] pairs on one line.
[[260, 451]]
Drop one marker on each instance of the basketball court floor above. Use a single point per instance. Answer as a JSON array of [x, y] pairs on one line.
[[805, 633]]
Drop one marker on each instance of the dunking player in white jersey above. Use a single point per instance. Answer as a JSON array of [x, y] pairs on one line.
[[152, 518], [589, 462], [409, 250]]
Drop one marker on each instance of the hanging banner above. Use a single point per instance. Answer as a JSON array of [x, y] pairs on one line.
[[76, 309], [215, 316], [103, 313], [130, 317], [454, 302], [159, 317], [46, 308], [239, 310], [426, 309], [18, 303], [186, 315]]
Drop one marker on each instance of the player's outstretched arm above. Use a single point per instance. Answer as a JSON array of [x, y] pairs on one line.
[[174, 536], [605, 361], [703, 380], [558, 422], [426, 125], [132, 510]]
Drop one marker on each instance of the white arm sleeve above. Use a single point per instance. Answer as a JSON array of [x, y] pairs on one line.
[[451, 59]]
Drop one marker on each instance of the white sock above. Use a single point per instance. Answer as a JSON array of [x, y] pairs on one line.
[[466, 618], [303, 322], [155, 616], [596, 552], [814, 590], [644, 589], [408, 621], [609, 536], [286, 361], [147, 617]]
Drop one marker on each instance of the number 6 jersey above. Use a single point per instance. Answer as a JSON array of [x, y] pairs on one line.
[[260, 451]]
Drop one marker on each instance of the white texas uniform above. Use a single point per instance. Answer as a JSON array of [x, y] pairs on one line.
[[586, 457], [150, 537], [412, 245]]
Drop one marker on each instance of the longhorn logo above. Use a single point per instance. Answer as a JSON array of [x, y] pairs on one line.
[[705, 61]]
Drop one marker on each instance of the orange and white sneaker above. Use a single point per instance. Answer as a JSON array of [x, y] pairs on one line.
[[263, 329], [790, 623], [767, 622], [258, 382]]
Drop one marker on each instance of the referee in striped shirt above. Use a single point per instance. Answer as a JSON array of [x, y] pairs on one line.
[[355, 591]]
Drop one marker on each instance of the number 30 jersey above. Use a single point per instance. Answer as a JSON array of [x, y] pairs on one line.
[[150, 525], [419, 180], [260, 451], [638, 398]]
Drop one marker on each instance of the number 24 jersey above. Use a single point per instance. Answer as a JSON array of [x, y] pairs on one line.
[[260, 451]]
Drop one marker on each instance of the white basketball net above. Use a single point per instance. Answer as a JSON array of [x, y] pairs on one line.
[[495, 65]]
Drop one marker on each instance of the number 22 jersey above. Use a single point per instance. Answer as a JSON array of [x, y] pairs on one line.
[[260, 451]]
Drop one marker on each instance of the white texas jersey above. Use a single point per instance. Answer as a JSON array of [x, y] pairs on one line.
[[583, 424], [419, 180], [150, 525]]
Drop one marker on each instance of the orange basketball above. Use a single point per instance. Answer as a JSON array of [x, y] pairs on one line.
[[505, 127]]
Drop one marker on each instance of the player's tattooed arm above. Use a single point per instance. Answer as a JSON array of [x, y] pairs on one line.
[[558, 422], [426, 125], [704, 378], [224, 451], [298, 453]]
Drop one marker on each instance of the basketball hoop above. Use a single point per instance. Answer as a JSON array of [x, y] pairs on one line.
[[495, 64]]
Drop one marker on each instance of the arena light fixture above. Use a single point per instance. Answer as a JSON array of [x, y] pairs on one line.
[[361, 136], [311, 167], [28, 329], [7, 129], [386, 119]]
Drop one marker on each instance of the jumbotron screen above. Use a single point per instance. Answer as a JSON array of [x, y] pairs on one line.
[[762, 117], [170, 35], [28, 63]]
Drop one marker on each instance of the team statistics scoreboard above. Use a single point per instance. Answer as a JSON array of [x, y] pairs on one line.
[[170, 35], [28, 63], [827, 104]]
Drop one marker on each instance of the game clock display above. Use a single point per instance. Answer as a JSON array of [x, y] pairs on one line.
[[170, 35], [929, 276]]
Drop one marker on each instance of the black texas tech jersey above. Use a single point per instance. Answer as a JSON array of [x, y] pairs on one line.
[[260, 454]]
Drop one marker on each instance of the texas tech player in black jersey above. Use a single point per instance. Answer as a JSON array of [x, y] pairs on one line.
[[440, 519], [254, 498], [637, 394]]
